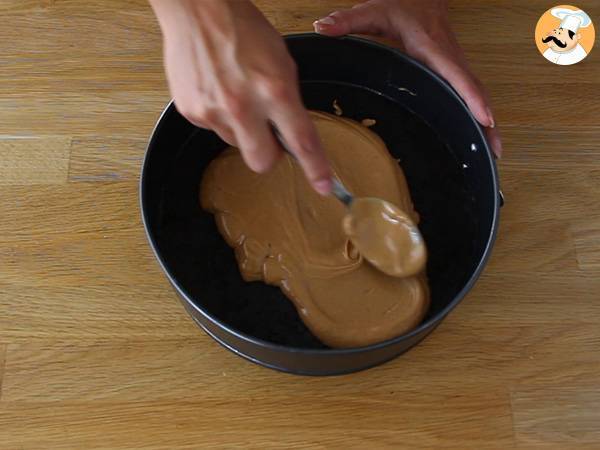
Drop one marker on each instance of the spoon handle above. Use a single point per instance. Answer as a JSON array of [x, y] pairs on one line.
[[338, 189]]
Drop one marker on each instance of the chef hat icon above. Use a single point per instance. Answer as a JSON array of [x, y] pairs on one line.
[[571, 20]]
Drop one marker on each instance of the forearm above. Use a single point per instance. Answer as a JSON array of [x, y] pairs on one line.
[[173, 14]]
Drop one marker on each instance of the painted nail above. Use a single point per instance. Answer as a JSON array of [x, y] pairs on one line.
[[323, 187], [497, 145], [491, 118], [329, 20], [498, 150]]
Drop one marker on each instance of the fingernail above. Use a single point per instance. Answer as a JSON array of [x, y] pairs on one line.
[[498, 151], [491, 118], [329, 20], [323, 187], [497, 146], [325, 21]]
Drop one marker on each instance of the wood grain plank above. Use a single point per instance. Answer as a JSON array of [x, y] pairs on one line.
[[81, 114], [246, 422], [120, 258], [106, 159], [39, 160], [546, 247], [2, 364], [69, 208], [554, 148], [587, 243], [543, 299], [509, 354], [537, 195], [187, 367], [563, 415], [92, 312], [92, 376], [542, 107]]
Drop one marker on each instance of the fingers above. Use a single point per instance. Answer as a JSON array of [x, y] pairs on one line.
[[493, 138], [215, 124], [242, 126], [226, 134], [283, 105], [362, 19], [462, 80], [300, 134], [256, 141], [452, 67], [243, 121]]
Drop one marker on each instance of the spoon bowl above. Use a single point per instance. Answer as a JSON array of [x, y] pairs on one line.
[[385, 236]]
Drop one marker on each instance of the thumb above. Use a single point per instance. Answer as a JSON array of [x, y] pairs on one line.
[[358, 20]]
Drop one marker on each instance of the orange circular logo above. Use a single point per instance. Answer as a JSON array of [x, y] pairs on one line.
[[565, 35]]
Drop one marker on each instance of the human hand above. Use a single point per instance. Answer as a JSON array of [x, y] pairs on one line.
[[229, 70], [423, 28]]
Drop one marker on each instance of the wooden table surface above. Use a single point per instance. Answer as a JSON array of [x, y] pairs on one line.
[[96, 352]]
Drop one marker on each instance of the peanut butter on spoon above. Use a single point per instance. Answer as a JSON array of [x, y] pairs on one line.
[[385, 236]]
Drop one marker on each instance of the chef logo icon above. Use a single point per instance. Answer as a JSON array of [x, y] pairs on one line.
[[564, 35]]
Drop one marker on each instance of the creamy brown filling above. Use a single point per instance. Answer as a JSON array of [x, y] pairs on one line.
[[286, 235]]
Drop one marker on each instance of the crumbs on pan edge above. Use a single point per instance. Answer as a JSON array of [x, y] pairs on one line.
[[368, 122], [336, 108], [338, 112]]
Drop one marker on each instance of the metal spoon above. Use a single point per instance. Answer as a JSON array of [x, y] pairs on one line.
[[338, 189], [400, 251]]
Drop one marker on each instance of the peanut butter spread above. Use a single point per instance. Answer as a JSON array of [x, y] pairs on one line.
[[287, 235]]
